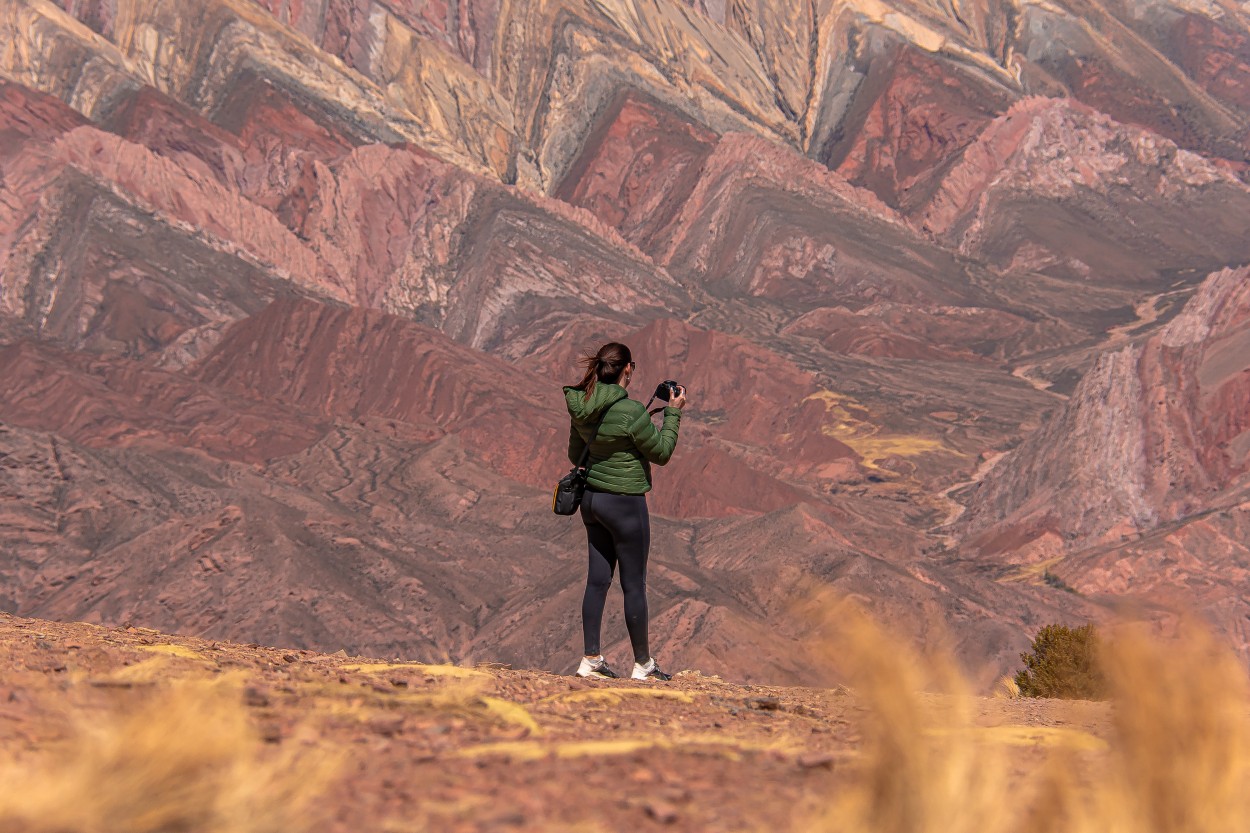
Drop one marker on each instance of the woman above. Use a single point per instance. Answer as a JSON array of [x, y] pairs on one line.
[[614, 508]]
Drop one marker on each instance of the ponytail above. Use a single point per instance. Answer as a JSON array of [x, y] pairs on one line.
[[605, 366]]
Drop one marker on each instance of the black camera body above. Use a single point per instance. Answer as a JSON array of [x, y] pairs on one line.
[[666, 390]]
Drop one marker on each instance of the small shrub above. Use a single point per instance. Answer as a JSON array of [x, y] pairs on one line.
[[1064, 664], [1058, 583]]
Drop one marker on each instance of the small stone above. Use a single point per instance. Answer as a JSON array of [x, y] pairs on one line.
[[289, 657], [812, 760], [387, 727], [661, 811], [255, 697], [764, 704], [675, 794]]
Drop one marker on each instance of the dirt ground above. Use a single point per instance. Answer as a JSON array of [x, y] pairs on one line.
[[422, 747]]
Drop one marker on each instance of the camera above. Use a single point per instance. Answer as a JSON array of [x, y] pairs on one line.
[[666, 390]]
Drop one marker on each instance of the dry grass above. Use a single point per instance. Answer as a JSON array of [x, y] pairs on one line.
[[613, 697], [181, 758], [1182, 753], [461, 696], [1178, 759], [922, 767], [705, 743]]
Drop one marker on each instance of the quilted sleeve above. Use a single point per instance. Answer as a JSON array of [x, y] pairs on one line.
[[655, 445]]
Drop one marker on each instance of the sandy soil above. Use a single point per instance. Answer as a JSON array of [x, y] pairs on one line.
[[486, 748]]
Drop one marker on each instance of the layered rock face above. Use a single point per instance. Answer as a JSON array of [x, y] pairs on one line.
[[1162, 426], [1141, 483], [288, 290]]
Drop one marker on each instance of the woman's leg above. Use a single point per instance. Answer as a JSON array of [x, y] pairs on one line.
[[627, 519], [602, 563]]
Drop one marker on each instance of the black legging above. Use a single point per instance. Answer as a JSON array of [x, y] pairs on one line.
[[618, 531]]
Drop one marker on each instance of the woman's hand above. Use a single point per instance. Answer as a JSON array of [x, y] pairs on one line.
[[678, 401]]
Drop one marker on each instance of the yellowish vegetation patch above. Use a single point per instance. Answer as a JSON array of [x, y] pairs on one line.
[[172, 650], [619, 695], [523, 750], [462, 698], [864, 437], [512, 713], [430, 670], [156, 669], [1031, 573], [1048, 736], [338, 700]]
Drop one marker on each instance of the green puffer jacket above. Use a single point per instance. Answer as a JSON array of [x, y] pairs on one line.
[[627, 444]]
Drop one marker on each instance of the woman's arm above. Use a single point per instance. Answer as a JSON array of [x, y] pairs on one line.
[[656, 446]]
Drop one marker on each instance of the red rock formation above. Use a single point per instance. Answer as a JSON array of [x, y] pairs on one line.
[[749, 228], [1023, 196], [1138, 488], [638, 168], [104, 404], [26, 114], [912, 116], [947, 333], [1153, 435], [346, 365], [1216, 57], [242, 452]]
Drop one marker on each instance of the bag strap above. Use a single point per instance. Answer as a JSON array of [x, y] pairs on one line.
[[586, 451]]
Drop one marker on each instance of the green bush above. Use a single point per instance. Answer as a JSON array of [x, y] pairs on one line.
[[1063, 663]]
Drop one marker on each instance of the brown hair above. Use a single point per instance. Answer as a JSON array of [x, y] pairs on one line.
[[605, 366]]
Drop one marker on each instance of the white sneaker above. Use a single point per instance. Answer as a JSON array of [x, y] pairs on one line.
[[595, 668], [649, 671]]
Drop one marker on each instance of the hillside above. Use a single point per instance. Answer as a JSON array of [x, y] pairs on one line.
[[288, 291]]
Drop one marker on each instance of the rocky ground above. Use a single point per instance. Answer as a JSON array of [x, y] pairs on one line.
[[428, 747]]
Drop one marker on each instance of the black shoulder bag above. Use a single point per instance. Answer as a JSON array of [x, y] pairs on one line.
[[569, 491]]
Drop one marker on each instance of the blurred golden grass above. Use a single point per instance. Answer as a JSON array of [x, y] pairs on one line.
[[429, 670], [1017, 735], [181, 758], [1178, 759], [172, 650], [528, 750], [463, 697], [615, 696]]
